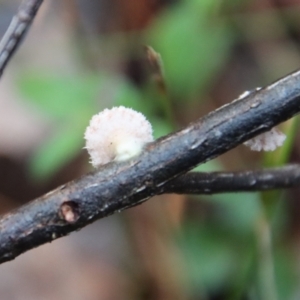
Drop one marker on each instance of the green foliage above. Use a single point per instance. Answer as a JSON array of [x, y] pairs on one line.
[[237, 211], [210, 258], [216, 257], [56, 152], [285, 272], [193, 44], [60, 96], [67, 101]]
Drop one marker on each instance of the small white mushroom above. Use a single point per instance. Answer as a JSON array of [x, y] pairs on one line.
[[116, 134], [267, 141]]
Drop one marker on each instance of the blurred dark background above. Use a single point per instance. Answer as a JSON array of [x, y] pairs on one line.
[[83, 56]]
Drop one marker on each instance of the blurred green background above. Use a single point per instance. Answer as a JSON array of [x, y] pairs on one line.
[[83, 56]]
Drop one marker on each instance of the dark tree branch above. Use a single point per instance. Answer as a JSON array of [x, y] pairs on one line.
[[224, 182], [16, 31], [118, 186]]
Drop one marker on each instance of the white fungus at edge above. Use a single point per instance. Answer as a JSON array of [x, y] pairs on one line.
[[117, 134], [267, 141]]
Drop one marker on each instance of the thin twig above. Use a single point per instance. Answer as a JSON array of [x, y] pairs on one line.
[[118, 186], [16, 31], [225, 182]]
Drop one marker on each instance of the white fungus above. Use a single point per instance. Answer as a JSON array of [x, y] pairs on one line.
[[267, 141], [116, 134]]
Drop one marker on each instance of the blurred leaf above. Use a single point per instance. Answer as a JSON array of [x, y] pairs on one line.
[[210, 166], [193, 45], [70, 101], [58, 150], [213, 258], [160, 127], [237, 211], [209, 260], [128, 95], [59, 96], [286, 274], [204, 7]]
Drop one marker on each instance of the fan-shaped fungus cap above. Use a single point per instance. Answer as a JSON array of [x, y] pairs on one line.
[[267, 141], [116, 134]]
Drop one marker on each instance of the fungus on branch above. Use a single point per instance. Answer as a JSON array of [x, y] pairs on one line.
[[116, 134], [267, 141]]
